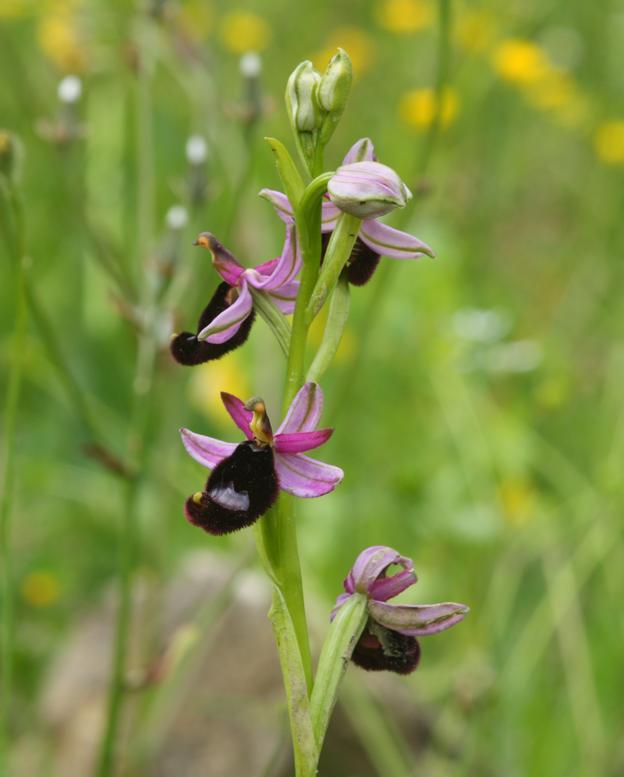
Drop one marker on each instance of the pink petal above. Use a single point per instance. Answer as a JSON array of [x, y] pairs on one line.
[[238, 413], [361, 151], [223, 261], [305, 477], [371, 564], [385, 588], [417, 620], [281, 203], [206, 450], [226, 324], [305, 410], [285, 270], [329, 215], [266, 268], [339, 602], [298, 442], [285, 297], [393, 243]]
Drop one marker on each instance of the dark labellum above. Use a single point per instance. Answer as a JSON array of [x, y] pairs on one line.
[[188, 350], [380, 648], [239, 490], [361, 264]]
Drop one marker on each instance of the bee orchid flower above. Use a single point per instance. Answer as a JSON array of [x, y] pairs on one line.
[[375, 238], [225, 322], [389, 637], [247, 477]]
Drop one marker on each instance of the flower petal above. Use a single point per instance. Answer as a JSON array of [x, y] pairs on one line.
[[305, 410], [223, 261], [371, 564], [226, 324], [305, 477], [280, 202], [367, 189], [393, 243], [329, 215], [298, 442], [206, 450], [285, 297], [385, 588], [286, 269], [417, 620], [362, 150], [238, 413]]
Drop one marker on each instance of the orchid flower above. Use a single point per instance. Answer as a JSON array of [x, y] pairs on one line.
[[225, 322], [375, 239], [247, 477], [389, 637]]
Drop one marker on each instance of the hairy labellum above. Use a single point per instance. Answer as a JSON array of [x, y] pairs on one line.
[[186, 349], [380, 648], [239, 490], [361, 264]]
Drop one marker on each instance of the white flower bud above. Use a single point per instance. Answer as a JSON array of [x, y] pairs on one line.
[[177, 217], [196, 150], [69, 89], [250, 65]]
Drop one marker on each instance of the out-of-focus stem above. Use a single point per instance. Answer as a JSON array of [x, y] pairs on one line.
[[141, 405], [7, 480]]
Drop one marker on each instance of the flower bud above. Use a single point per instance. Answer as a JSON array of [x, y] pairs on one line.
[[367, 189], [335, 84], [301, 98]]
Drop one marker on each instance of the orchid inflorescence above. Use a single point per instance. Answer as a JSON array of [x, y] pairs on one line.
[[333, 239]]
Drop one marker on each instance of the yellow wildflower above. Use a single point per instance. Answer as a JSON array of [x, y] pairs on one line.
[[356, 42], [553, 91], [242, 31], [40, 589], [609, 142], [404, 16], [208, 380], [60, 41], [520, 61], [475, 31], [518, 499], [419, 106]]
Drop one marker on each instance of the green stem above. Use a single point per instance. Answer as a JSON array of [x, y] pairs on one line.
[[7, 480], [342, 637], [337, 317], [277, 538], [338, 252]]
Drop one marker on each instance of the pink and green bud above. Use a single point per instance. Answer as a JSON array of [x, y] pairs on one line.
[[367, 189]]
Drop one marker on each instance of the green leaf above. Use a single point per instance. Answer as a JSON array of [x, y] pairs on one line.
[[288, 172], [342, 637], [305, 748]]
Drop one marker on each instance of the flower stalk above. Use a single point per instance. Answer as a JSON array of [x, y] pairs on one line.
[[11, 203]]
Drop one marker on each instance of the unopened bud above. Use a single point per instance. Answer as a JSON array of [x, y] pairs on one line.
[[196, 150], [301, 97], [250, 65], [177, 217], [335, 85], [69, 89], [367, 189]]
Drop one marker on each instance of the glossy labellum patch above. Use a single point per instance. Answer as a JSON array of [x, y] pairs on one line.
[[186, 349], [239, 490], [380, 648]]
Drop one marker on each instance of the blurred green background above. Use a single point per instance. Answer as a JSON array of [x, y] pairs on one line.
[[477, 398]]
